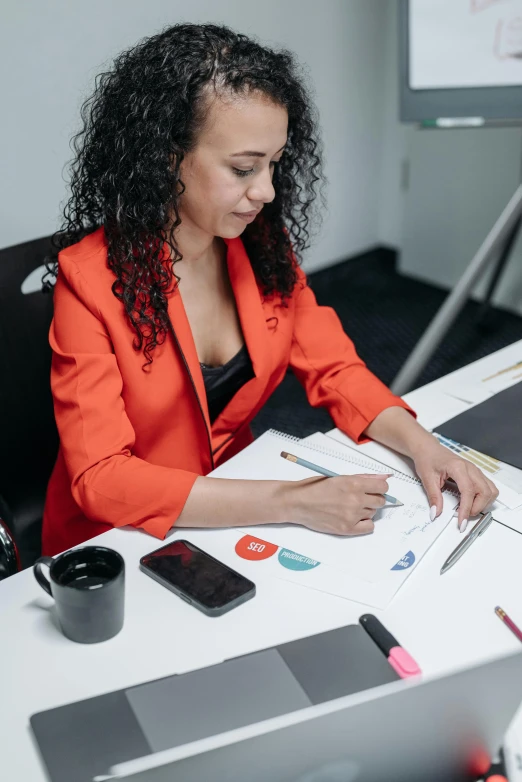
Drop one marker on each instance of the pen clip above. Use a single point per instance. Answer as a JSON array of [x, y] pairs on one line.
[[488, 522]]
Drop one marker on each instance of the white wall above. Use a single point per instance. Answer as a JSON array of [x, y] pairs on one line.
[[433, 195], [50, 51], [460, 182]]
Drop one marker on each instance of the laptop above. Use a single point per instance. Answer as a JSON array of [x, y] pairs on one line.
[[441, 730], [314, 678], [83, 739]]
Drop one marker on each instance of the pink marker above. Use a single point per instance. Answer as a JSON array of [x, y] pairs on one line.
[[401, 662]]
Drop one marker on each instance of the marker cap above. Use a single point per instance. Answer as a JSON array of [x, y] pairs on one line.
[[402, 663]]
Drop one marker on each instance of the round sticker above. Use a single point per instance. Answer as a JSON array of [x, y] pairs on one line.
[[405, 561], [254, 548], [293, 561]]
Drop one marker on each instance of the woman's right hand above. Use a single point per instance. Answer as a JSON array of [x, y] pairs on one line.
[[344, 505]]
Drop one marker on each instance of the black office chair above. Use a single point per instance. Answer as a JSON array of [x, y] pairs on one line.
[[28, 436]]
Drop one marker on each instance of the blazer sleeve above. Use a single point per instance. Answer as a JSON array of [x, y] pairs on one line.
[[326, 363], [108, 482]]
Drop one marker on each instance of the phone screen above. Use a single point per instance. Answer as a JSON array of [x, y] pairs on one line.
[[195, 573]]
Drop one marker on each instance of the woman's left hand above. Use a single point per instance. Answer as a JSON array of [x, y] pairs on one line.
[[435, 465]]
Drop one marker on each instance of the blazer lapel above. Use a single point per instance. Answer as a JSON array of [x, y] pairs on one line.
[[181, 326], [248, 301]]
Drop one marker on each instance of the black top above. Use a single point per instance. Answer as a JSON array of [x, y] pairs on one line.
[[222, 383]]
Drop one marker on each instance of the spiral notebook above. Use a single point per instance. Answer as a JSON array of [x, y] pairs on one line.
[[367, 568]]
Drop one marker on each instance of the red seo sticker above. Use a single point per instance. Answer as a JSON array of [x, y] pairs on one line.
[[254, 548]]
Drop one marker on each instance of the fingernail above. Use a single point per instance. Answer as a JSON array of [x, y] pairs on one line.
[[463, 525], [433, 512]]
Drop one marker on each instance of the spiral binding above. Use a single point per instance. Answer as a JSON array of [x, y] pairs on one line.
[[364, 462]]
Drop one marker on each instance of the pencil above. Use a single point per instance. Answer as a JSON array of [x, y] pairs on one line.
[[503, 371], [329, 474], [509, 622]]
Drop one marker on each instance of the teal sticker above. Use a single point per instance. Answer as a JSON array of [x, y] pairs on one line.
[[405, 561], [293, 561]]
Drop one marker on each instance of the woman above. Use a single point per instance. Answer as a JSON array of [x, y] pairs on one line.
[[179, 304]]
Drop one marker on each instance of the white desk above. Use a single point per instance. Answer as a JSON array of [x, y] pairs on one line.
[[443, 621]]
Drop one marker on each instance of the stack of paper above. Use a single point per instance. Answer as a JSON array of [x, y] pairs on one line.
[[366, 568]]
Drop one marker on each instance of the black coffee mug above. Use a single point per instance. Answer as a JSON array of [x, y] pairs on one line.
[[88, 586]]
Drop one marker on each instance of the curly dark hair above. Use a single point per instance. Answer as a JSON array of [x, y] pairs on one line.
[[142, 118]]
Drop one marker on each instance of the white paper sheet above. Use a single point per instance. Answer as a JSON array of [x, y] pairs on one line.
[[500, 371], [510, 517], [368, 569], [435, 405], [372, 556]]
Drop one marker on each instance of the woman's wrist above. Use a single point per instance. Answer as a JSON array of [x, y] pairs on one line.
[[291, 503], [420, 443], [398, 429]]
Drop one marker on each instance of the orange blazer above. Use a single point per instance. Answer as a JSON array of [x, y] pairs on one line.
[[132, 442]]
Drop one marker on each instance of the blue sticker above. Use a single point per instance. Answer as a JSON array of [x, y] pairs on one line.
[[293, 561], [405, 561]]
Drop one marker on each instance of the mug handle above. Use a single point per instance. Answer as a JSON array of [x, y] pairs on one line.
[[42, 580]]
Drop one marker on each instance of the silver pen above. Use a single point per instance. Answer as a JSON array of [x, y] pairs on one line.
[[478, 528]]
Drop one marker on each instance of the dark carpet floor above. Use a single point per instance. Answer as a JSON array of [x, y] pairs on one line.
[[385, 314]]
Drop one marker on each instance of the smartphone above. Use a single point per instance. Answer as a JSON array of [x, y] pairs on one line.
[[198, 578]]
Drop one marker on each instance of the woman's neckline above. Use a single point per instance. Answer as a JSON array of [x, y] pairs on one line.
[[209, 367]]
